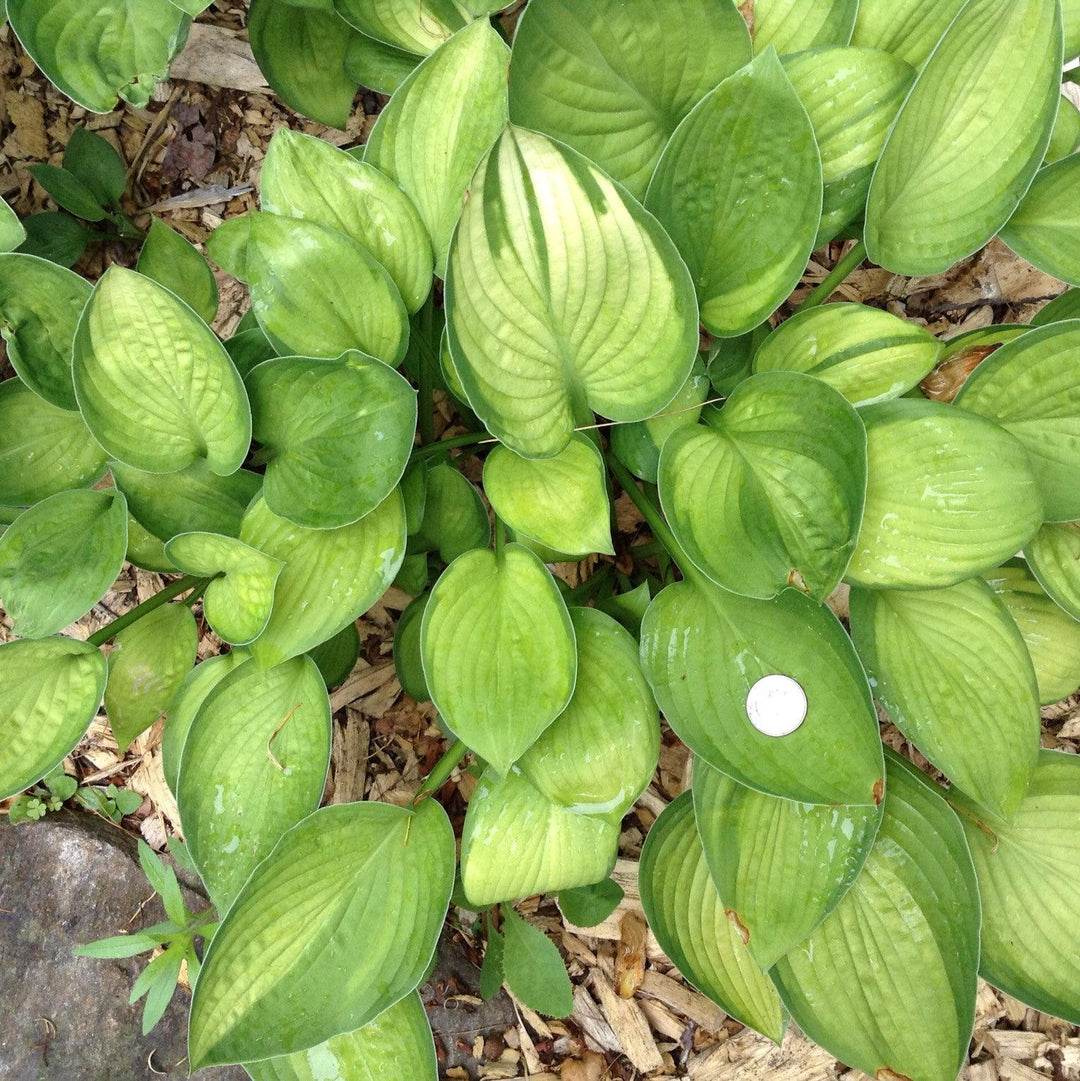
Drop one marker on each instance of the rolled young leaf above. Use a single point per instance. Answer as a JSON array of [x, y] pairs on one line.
[[887, 982], [685, 913], [498, 651], [790, 26], [154, 384], [614, 79], [541, 338], [909, 29], [173, 261], [336, 925], [1053, 555], [739, 189], [970, 137], [50, 691]]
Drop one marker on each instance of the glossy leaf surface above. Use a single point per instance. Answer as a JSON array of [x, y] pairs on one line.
[[1053, 555]]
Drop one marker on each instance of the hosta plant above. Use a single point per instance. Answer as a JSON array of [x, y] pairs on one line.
[[604, 219]]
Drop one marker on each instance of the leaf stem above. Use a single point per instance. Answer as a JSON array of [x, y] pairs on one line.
[[441, 770], [174, 589], [835, 277], [466, 439]]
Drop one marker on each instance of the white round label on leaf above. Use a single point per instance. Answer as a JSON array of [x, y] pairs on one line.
[[776, 705]]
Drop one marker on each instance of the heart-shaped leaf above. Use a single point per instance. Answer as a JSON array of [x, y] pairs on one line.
[[739, 189], [439, 124], [769, 493], [254, 764], [951, 669], [40, 305], [969, 138], [685, 913], [780, 867], [336, 435], [315, 291], [145, 363], [538, 339], [378, 66], [176, 263], [58, 559], [909, 29], [49, 692], [418, 28], [790, 26], [852, 97], [455, 519], [122, 48], [949, 495], [330, 577], [1051, 634], [517, 842], [887, 982], [147, 664], [866, 354], [498, 651], [43, 450], [237, 602], [1029, 387], [304, 177], [1029, 881], [613, 79], [1053, 555], [703, 649], [600, 753], [398, 1042], [336, 925], [560, 502]]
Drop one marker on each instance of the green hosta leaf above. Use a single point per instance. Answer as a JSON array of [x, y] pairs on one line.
[[685, 913], [336, 657], [1065, 138], [55, 236], [770, 492], [254, 764], [516, 842], [198, 683], [397, 1043], [248, 348], [587, 906], [68, 192], [628, 608], [418, 27], [866, 354], [154, 384], [148, 662], [533, 967], [336, 435], [237, 602], [969, 138], [1051, 634], [638, 445], [376, 65], [96, 162], [1030, 388], [491, 971], [40, 305], [455, 519], [1053, 555], [614, 79], [949, 496], [909, 29], [1045, 229], [330, 577], [703, 649], [337, 924], [887, 982], [439, 124], [122, 47], [952, 671], [412, 578], [175, 262], [58, 559], [414, 484], [779, 867], [43, 450], [561, 502], [191, 500], [304, 177], [407, 662], [600, 753], [574, 302], [145, 550], [1065, 306], [1070, 10], [498, 651], [793, 25], [1029, 881], [301, 51], [315, 291], [739, 189], [12, 233], [49, 693], [852, 96]]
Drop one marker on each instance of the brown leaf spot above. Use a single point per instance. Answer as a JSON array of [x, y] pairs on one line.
[[744, 931], [746, 10], [887, 1074], [796, 579], [944, 382], [879, 791]]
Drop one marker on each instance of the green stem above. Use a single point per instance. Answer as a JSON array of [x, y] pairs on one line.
[[835, 277], [466, 439], [441, 770], [181, 585]]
